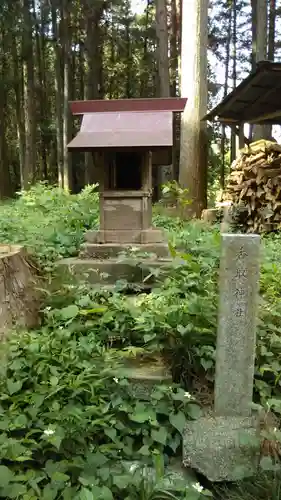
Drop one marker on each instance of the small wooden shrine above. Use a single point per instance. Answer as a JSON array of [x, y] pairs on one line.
[[126, 137]]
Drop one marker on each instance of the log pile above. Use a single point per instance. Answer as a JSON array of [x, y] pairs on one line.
[[254, 187]]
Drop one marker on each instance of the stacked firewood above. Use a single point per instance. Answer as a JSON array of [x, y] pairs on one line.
[[254, 187]]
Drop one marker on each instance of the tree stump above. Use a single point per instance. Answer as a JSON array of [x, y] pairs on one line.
[[19, 297]]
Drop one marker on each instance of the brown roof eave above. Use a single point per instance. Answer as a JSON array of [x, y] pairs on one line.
[[173, 104], [93, 149]]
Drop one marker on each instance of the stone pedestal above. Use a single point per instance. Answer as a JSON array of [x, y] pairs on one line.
[[126, 217]]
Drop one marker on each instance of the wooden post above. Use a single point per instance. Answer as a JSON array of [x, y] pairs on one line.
[[241, 136], [233, 144]]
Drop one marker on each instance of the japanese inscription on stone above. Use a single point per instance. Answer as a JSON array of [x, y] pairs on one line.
[[239, 284], [238, 289]]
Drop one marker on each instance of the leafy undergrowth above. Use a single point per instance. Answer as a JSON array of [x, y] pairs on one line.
[[68, 422], [266, 486], [49, 221], [69, 426], [180, 319]]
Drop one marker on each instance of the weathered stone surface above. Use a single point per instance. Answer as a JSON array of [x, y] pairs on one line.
[[145, 378], [211, 215], [175, 476], [101, 271], [238, 286], [129, 236], [152, 235], [222, 448], [109, 250], [109, 271], [214, 445], [125, 215]]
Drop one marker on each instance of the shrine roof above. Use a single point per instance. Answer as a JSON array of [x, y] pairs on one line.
[[125, 123], [256, 100], [174, 104]]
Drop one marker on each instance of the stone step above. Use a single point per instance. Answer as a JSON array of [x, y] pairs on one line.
[[144, 377], [109, 250], [130, 289], [109, 271], [175, 477]]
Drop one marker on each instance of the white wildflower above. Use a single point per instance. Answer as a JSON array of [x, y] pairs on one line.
[[49, 432], [133, 467], [197, 487], [116, 380], [187, 395]]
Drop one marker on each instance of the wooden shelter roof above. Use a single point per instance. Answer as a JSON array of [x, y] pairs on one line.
[[125, 123], [256, 100]]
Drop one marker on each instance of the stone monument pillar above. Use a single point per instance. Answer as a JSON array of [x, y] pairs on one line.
[[223, 444]]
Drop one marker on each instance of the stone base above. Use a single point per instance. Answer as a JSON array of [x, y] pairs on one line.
[[132, 236], [222, 448], [109, 271], [175, 478], [211, 215], [109, 250], [143, 379]]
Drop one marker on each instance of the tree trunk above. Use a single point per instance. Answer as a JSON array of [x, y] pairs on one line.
[[163, 58], [58, 94], [234, 74], [261, 41], [5, 179], [67, 127], [81, 71], [30, 101], [271, 29], [41, 91], [225, 92], [93, 47], [194, 141], [164, 173], [144, 76], [19, 101], [254, 34], [260, 54], [174, 47], [174, 68]]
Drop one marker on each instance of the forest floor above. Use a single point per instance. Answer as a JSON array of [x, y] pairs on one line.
[[69, 427]]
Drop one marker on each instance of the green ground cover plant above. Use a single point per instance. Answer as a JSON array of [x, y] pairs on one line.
[[67, 422], [66, 417], [49, 221]]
